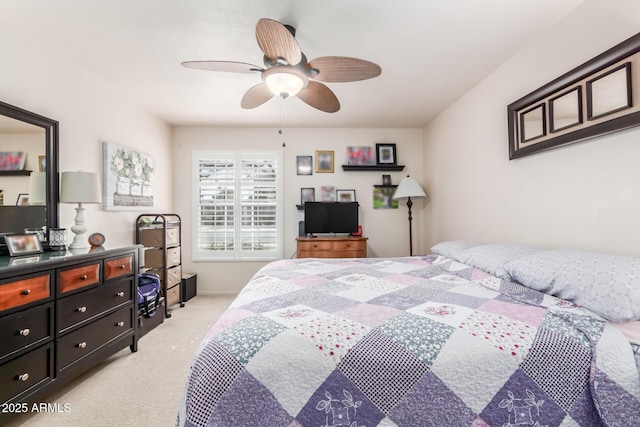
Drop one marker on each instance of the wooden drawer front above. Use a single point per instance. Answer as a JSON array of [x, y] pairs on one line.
[[116, 267], [153, 258], [82, 307], [349, 245], [25, 291], [25, 372], [82, 342], [315, 245], [173, 295], [78, 277], [153, 236], [25, 329]]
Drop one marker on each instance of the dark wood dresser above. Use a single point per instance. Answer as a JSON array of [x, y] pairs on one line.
[[62, 313]]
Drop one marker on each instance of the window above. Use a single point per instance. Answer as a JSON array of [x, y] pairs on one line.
[[237, 208]]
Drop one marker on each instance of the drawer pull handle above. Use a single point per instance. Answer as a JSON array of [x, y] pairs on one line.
[[122, 266], [23, 377], [120, 324], [120, 294], [83, 277], [315, 246], [83, 344], [82, 309], [25, 332], [26, 292]]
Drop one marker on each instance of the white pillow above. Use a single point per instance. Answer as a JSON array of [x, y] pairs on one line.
[[492, 257], [608, 285], [453, 248]]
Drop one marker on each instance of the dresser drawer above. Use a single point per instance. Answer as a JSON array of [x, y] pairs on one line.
[[24, 291], [153, 258], [116, 267], [315, 245], [154, 236], [26, 329], [84, 306], [78, 277], [27, 371], [82, 342]]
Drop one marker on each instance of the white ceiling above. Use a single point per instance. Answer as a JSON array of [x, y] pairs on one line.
[[431, 51]]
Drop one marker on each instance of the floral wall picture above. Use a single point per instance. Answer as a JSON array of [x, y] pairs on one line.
[[127, 178]]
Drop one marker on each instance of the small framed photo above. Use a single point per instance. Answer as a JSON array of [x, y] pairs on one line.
[[42, 163], [386, 154], [304, 165], [23, 244], [346, 195], [23, 200], [324, 161], [386, 180], [327, 193], [307, 195]]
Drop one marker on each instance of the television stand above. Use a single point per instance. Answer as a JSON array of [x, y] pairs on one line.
[[332, 247]]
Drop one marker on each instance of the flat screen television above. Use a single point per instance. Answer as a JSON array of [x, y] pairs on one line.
[[330, 217]]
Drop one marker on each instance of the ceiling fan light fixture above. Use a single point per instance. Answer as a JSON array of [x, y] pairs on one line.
[[284, 81]]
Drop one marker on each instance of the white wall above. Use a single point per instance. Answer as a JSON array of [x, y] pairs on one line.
[[585, 195], [89, 111], [387, 230]]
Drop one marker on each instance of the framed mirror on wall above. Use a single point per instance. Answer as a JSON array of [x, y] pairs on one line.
[[37, 137]]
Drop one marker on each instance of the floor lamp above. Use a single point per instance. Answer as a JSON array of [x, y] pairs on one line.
[[407, 189]]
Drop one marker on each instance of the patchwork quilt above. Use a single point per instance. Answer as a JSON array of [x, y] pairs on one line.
[[414, 341]]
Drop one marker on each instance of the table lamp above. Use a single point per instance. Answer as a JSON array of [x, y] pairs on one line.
[[407, 189], [79, 187]]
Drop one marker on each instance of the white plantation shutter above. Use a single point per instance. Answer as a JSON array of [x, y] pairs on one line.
[[237, 208]]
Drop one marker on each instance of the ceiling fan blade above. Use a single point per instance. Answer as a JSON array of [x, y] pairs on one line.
[[226, 66], [277, 42], [256, 96], [344, 69], [320, 96]]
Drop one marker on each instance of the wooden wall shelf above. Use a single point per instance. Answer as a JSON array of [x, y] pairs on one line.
[[373, 168], [21, 172]]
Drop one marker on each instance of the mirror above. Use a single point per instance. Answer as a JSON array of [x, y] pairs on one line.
[[36, 137]]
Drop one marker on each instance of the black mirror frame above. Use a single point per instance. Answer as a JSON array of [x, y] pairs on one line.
[[51, 151], [617, 53]]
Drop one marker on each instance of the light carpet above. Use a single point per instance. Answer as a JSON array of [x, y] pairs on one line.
[[137, 389]]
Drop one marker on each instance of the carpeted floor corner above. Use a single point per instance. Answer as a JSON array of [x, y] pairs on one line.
[[143, 388]]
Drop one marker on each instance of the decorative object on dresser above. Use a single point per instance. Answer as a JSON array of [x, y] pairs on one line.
[[407, 189], [79, 187], [60, 315], [332, 247], [160, 234], [23, 244], [345, 196], [58, 239], [96, 239]]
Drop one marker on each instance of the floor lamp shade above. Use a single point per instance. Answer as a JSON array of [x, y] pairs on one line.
[[79, 187], [407, 189]]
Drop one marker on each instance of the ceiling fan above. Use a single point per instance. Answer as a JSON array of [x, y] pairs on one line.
[[288, 73]]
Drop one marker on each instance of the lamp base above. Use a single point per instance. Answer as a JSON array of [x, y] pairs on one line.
[[79, 229]]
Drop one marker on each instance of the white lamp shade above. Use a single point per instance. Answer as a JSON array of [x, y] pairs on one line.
[[409, 187], [79, 187], [37, 188]]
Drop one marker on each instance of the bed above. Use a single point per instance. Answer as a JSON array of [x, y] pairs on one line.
[[449, 339]]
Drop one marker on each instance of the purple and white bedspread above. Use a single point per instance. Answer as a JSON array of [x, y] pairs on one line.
[[415, 341]]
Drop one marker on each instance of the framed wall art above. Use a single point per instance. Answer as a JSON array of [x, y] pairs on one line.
[[304, 165], [12, 160], [127, 178], [593, 99], [324, 161], [386, 154], [360, 156], [307, 195]]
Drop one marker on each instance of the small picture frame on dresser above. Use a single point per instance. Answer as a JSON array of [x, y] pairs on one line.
[[23, 244]]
